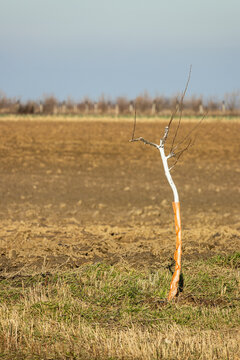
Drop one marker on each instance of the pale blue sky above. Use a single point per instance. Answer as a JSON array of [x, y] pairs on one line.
[[118, 47]]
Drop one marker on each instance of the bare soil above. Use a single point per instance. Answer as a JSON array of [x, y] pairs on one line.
[[76, 192]]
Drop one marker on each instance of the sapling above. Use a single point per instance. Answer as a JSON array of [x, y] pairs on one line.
[[176, 203]]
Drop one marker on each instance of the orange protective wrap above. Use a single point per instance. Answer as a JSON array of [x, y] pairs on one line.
[[178, 253]]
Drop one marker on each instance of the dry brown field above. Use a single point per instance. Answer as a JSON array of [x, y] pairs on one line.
[[77, 192], [87, 241]]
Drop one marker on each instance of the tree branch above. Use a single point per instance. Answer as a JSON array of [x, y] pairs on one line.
[[146, 142], [179, 153], [190, 132], [164, 138]]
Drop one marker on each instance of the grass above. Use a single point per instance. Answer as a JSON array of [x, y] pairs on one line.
[[112, 117], [106, 312]]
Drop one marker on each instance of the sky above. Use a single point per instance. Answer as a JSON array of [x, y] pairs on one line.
[[79, 48]]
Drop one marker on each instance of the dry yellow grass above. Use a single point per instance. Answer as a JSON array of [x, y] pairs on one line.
[[82, 341], [113, 119], [103, 312]]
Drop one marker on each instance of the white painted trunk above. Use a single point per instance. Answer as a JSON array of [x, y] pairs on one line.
[[167, 173]]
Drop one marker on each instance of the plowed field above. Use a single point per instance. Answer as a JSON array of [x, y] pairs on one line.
[[75, 192]]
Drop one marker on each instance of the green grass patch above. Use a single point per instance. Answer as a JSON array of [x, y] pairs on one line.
[[119, 298], [232, 260]]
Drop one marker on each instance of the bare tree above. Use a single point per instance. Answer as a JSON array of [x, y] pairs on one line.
[[50, 103], [103, 105], [232, 100], [123, 105], [176, 151]]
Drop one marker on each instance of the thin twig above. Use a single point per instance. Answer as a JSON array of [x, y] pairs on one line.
[[179, 154], [135, 120], [190, 132], [173, 115], [181, 107]]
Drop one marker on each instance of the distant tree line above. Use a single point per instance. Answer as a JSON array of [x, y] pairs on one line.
[[122, 106]]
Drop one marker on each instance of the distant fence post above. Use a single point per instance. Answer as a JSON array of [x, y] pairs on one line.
[[75, 109], [55, 110], [95, 108], [131, 108], [40, 108], [153, 110], [63, 107], [223, 108], [109, 107], [116, 110], [86, 107], [201, 110]]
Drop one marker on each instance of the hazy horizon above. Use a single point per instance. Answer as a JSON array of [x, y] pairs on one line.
[[88, 48]]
